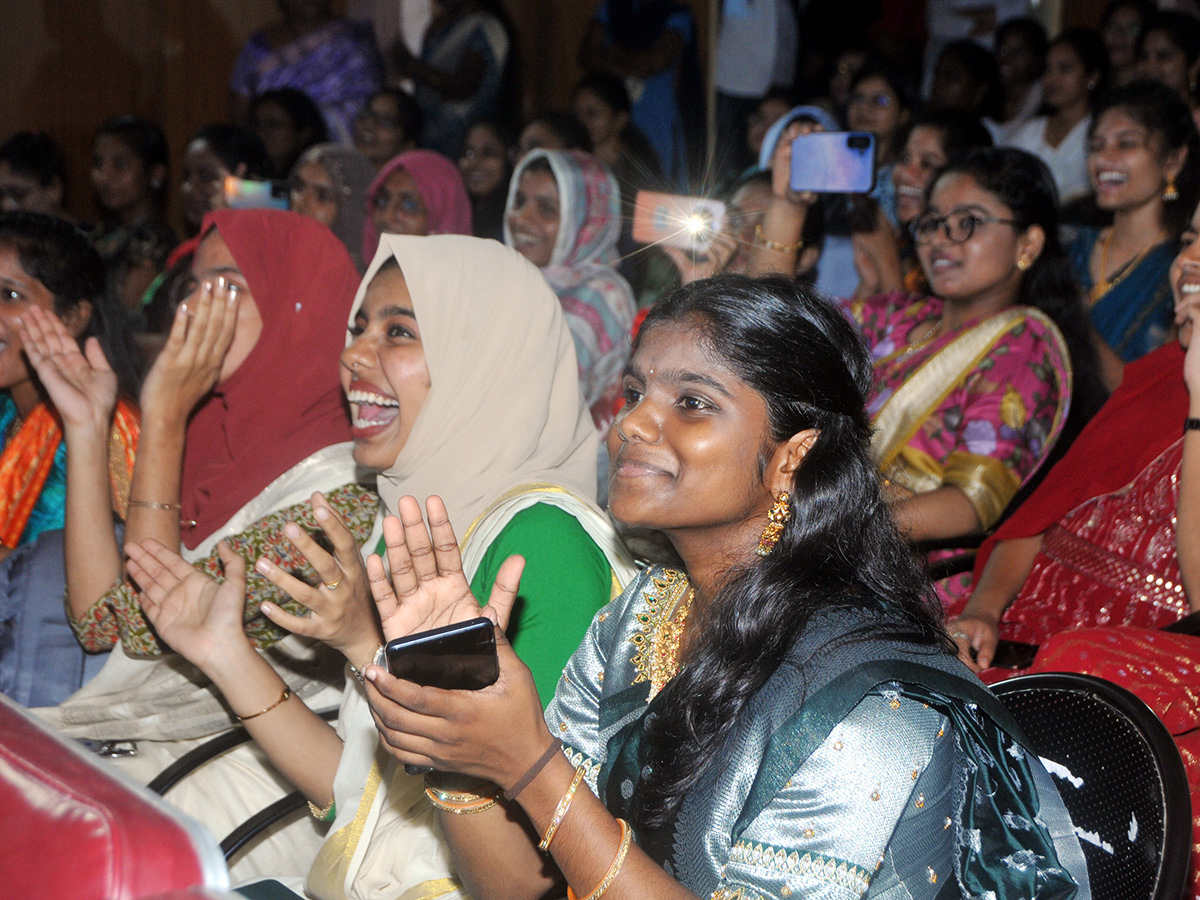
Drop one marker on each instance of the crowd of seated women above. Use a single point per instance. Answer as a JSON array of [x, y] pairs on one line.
[[216, 506]]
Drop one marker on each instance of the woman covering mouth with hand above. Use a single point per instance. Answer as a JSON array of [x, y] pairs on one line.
[[462, 381], [237, 435]]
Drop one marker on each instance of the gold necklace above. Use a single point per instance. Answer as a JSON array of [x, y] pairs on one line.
[[667, 638], [1104, 285]]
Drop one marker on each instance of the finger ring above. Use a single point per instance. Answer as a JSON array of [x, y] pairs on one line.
[[956, 635], [332, 585]]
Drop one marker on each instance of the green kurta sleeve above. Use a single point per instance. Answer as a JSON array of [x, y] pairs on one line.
[[567, 579]]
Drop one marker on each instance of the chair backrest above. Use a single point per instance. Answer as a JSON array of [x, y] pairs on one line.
[[1120, 776], [74, 828]]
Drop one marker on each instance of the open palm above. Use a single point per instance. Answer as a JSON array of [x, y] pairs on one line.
[[82, 387], [428, 588], [192, 613]]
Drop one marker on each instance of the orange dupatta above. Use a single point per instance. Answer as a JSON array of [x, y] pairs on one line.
[[27, 459]]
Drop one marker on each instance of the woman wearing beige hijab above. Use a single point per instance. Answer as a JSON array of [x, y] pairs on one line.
[[462, 380]]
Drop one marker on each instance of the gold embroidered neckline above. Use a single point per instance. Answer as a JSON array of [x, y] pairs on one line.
[[660, 629]]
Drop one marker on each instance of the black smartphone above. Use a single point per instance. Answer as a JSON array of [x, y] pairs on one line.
[[1014, 655], [459, 657]]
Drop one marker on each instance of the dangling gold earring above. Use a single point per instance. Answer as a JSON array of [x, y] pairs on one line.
[[776, 519], [1170, 194]]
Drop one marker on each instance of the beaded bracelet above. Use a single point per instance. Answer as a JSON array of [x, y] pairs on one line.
[[614, 870], [375, 660], [560, 812], [774, 245]]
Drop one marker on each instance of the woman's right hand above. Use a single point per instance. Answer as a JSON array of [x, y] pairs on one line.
[[975, 631], [781, 164], [198, 618], [1188, 311], [190, 362], [705, 261], [82, 386]]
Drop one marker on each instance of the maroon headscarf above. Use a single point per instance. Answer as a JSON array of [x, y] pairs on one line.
[[442, 190], [285, 401]]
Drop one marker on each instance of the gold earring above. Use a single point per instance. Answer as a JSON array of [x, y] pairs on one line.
[[1170, 193], [776, 519], [1022, 264]]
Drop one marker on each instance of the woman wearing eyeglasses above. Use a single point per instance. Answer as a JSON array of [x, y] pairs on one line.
[[973, 385], [419, 192]]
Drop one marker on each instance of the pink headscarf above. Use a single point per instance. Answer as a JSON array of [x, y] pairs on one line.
[[442, 190]]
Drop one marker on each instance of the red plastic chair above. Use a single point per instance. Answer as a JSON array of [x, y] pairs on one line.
[[73, 828]]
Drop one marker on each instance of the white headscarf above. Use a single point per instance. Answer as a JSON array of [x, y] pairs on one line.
[[504, 407]]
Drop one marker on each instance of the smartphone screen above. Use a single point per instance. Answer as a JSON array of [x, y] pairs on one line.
[[837, 162], [461, 656], [678, 221], [242, 193]]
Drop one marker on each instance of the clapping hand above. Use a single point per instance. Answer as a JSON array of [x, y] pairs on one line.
[[198, 618], [341, 611], [428, 588]]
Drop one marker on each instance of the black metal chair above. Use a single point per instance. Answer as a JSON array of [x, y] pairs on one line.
[[265, 818], [1120, 776]]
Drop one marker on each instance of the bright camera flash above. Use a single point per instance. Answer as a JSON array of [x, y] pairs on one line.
[[695, 224]]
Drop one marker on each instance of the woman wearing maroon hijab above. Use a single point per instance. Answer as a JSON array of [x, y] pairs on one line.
[[244, 420]]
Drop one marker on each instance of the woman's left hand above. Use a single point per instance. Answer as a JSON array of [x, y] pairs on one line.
[[81, 384], [493, 733], [427, 587], [342, 614]]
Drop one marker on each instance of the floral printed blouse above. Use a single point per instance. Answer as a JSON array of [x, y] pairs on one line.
[[117, 616]]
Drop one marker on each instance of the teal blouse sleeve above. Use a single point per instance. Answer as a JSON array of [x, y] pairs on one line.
[[566, 580]]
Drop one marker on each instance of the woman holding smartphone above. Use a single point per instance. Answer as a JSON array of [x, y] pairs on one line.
[[710, 736], [974, 382], [461, 378]]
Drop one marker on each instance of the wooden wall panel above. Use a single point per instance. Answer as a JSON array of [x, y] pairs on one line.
[[70, 64]]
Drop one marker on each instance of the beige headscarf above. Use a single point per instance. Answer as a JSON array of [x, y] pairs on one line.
[[504, 407]]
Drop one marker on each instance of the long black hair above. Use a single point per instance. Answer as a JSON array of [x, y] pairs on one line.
[[1024, 184], [840, 548], [61, 257]]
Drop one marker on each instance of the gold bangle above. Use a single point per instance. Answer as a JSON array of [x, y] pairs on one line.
[[154, 504], [774, 245], [478, 805], [287, 692], [614, 870], [560, 812], [321, 815]]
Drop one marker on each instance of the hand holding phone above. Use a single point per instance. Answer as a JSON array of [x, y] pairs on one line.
[[838, 162], [458, 657], [243, 193], [677, 221]]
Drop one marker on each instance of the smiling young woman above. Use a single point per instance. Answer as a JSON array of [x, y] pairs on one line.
[[564, 216], [720, 710], [974, 382], [1144, 165], [461, 381]]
